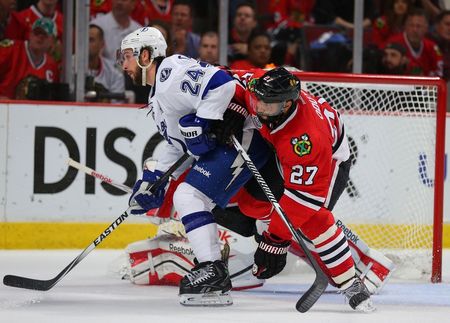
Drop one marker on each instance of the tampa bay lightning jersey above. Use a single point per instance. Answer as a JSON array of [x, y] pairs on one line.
[[182, 86]]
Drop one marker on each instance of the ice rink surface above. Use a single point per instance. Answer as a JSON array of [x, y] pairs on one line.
[[91, 293]]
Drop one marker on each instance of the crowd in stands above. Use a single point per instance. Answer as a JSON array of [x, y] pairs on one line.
[[403, 37]]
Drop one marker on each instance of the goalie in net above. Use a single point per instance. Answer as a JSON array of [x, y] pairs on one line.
[[166, 258]]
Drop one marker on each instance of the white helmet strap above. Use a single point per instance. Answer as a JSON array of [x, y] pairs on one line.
[[144, 70]]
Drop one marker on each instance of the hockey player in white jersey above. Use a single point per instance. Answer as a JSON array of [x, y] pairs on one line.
[[187, 102]]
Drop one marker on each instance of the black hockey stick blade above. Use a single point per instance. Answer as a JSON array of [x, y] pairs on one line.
[[310, 297], [37, 284], [28, 283], [44, 285]]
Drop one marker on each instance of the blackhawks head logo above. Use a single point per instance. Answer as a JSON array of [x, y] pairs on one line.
[[302, 146]]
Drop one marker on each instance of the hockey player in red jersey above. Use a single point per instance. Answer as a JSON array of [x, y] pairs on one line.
[[308, 137]]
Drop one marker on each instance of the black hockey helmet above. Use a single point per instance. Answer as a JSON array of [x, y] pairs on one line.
[[276, 85]]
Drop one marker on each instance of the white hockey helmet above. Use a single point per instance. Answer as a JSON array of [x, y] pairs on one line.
[[145, 37], [140, 38]]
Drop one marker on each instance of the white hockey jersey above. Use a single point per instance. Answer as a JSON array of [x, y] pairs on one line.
[[183, 86]]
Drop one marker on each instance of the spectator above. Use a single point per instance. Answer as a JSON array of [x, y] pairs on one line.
[[441, 36], [391, 22], [184, 41], [104, 76], [341, 13], [259, 52], [6, 8], [394, 60], [431, 7], [209, 47], [116, 24], [164, 28], [295, 12], [424, 55], [158, 10], [243, 23], [144, 12], [99, 8], [23, 21], [21, 59]]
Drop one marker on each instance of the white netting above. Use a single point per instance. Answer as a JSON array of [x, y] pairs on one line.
[[389, 198]]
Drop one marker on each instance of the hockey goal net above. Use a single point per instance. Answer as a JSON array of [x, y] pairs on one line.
[[396, 130]]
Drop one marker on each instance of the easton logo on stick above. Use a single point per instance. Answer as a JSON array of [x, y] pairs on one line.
[[110, 229]]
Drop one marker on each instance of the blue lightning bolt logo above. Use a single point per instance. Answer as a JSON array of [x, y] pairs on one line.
[[238, 166]]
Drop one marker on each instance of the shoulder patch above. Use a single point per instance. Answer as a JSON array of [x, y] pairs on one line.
[[6, 43], [98, 3], [437, 50], [302, 146], [380, 23], [165, 73]]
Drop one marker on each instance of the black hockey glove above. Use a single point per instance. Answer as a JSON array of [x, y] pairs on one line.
[[270, 257], [232, 123]]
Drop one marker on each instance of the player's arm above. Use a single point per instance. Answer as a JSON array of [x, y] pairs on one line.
[[204, 128]]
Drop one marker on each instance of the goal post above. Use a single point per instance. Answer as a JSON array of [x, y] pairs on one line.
[[396, 130]]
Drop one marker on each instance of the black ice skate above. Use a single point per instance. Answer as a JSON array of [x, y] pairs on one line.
[[208, 284], [358, 296]]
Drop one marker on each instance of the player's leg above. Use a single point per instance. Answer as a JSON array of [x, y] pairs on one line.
[[168, 257], [372, 266], [212, 180], [328, 242]]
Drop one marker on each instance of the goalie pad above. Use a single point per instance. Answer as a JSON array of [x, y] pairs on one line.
[[160, 261], [165, 259]]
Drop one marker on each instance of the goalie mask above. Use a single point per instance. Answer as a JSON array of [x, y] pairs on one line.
[[270, 92], [149, 38]]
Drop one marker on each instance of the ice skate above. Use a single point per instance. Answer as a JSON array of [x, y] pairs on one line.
[[358, 296], [208, 284]]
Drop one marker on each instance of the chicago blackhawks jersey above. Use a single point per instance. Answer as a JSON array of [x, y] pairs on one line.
[[310, 144], [23, 21], [16, 64], [427, 61]]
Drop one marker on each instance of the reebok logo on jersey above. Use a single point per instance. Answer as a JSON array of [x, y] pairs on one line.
[[202, 171], [347, 232], [302, 146]]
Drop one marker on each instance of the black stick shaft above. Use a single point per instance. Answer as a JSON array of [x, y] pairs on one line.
[[310, 297]]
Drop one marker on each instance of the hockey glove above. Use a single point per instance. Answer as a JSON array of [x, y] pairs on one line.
[[232, 123], [270, 257], [142, 200], [195, 132]]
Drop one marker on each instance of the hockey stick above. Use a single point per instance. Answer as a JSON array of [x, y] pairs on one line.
[[310, 297], [98, 175], [44, 285]]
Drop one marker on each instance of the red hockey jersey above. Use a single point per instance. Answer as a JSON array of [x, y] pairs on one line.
[[310, 144], [16, 64]]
